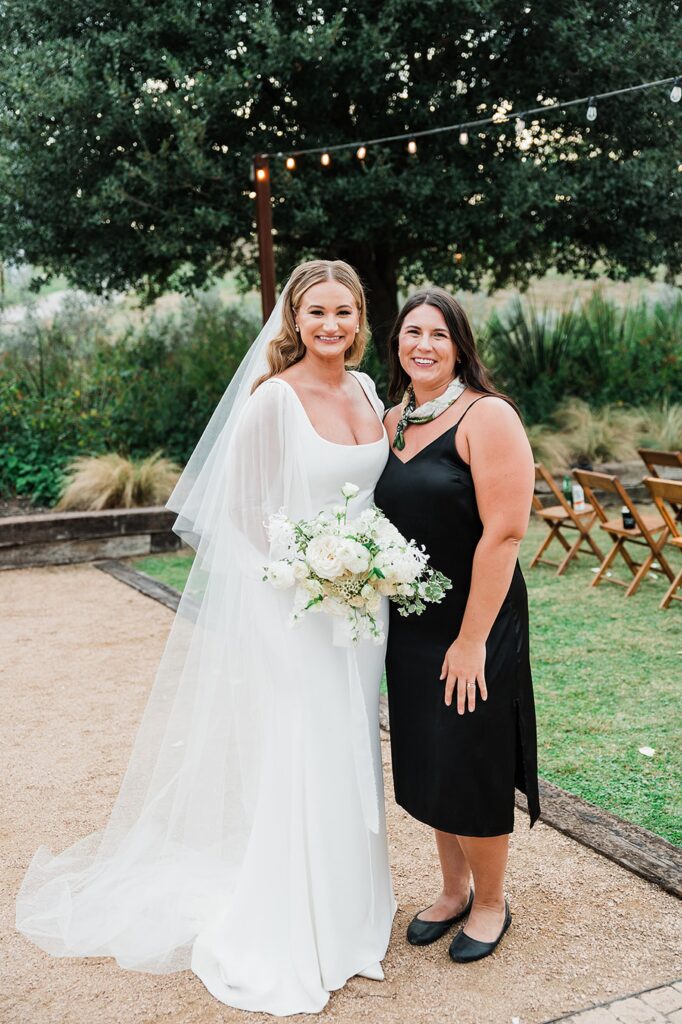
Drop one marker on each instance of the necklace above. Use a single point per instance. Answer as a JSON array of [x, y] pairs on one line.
[[410, 413]]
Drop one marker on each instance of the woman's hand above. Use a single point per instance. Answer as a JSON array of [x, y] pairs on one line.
[[464, 668]]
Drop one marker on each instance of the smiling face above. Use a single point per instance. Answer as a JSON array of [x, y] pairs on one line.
[[426, 349], [327, 319]]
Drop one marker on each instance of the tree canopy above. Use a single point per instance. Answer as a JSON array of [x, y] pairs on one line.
[[128, 130]]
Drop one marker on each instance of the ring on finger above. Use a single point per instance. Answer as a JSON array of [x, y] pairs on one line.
[[471, 686]]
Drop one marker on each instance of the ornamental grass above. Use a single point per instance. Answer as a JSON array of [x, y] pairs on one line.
[[112, 481], [578, 433]]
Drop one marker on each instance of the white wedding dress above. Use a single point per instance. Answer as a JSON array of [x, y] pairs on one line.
[[248, 839]]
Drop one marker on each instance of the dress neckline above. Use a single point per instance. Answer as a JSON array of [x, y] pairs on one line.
[[335, 444], [405, 462]]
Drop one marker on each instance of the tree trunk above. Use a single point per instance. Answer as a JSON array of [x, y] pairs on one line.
[[377, 270]]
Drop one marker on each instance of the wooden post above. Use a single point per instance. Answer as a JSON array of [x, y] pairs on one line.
[[266, 255]]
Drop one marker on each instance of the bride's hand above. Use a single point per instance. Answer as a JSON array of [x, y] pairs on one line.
[[464, 668]]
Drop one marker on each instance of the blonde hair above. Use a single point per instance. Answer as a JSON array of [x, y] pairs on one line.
[[286, 348]]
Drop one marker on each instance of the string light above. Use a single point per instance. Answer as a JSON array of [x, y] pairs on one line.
[[463, 129], [261, 174]]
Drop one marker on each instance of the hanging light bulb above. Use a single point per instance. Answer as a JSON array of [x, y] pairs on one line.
[[261, 174], [463, 137], [291, 163], [325, 159], [412, 147], [591, 109], [361, 153], [676, 91]]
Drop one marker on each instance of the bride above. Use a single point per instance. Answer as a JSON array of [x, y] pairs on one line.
[[248, 838]]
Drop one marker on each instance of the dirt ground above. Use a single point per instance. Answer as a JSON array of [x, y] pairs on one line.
[[78, 655]]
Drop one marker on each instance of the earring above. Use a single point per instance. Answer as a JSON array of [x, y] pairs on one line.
[[298, 329], [357, 329]]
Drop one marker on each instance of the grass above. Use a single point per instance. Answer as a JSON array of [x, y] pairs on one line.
[[606, 670]]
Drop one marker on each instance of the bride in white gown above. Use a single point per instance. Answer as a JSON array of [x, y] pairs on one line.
[[248, 839]]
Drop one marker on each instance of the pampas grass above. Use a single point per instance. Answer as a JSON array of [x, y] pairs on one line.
[[612, 433], [112, 481]]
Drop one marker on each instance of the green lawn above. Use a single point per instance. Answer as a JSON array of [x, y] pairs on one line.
[[607, 675]]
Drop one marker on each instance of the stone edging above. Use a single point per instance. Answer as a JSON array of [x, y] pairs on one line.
[[631, 846], [61, 538], [576, 1015]]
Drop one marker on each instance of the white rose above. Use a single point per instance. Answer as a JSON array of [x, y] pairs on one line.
[[349, 490], [367, 592], [281, 575], [373, 603], [355, 557], [325, 556]]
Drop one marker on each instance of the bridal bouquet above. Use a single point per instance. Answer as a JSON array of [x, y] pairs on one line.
[[344, 568]]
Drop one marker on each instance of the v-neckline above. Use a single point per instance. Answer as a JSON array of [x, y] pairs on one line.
[[406, 462]]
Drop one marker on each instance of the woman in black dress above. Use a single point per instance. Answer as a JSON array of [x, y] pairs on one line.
[[459, 480]]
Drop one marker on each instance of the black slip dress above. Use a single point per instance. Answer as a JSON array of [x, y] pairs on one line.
[[456, 773]]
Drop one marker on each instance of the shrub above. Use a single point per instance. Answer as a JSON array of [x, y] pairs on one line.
[[72, 388], [599, 353]]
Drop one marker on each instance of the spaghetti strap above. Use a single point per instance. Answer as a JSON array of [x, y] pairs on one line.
[[471, 404]]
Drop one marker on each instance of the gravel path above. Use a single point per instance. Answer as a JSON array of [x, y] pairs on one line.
[[77, 660]]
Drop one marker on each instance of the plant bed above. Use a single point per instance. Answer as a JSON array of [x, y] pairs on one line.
[[57, 538]]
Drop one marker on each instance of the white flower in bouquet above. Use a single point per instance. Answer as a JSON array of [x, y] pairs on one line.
[[345, 568], [325, 556], [282, 535], [355, 556], [281, 575]]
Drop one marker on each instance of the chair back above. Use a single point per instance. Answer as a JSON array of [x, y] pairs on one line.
[[652, 458], [542, 473], [667, 496], [590, 481]]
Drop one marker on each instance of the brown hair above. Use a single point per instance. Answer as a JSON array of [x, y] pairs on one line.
[[286, 348], [468, 367]]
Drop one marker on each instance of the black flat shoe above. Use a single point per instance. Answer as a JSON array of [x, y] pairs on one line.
[[421, 933], [464, 949]]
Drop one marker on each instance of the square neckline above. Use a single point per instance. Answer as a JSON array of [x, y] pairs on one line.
[[337, 444]]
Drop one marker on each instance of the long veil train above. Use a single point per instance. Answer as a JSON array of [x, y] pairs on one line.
[[178, 829]]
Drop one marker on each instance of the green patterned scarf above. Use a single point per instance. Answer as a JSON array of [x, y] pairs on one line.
[[427, 412]]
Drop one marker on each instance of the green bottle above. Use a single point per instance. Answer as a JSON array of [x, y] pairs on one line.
[[567, 488]]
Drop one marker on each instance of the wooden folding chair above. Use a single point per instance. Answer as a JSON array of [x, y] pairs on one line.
[[652, 459], [650, 531], [667, 496], [559, 517]]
